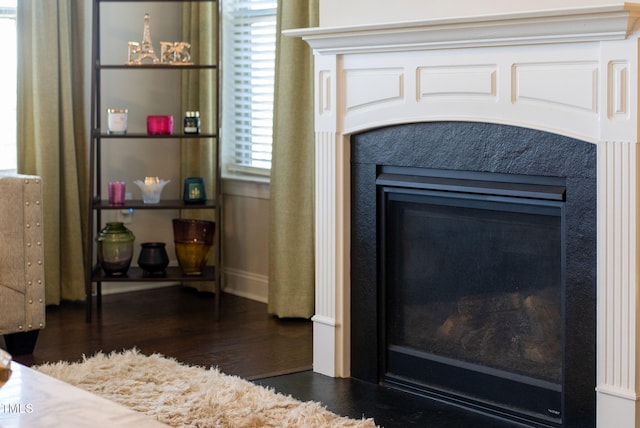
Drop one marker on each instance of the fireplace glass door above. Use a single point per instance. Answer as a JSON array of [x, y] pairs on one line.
[[472, 291]]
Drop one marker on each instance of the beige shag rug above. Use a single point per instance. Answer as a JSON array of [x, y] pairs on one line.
[[191, 396]]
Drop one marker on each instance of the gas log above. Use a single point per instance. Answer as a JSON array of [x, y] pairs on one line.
[[513, 325]]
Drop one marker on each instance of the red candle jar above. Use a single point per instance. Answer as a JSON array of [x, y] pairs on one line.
[[159, 125]]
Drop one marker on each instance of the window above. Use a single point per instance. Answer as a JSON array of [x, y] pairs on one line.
[[248, 63], [8, 88]]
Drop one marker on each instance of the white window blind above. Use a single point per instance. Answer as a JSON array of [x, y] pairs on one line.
[[248, 63], [8, 85]]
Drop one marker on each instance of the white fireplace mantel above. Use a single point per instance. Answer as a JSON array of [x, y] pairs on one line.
[[572, 72], [555, 26]]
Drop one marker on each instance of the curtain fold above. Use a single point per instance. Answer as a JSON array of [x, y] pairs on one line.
[[199, 93], [291, 232], [51, 134]]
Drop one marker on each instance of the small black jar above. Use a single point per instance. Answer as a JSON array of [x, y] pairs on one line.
[[153, 258]]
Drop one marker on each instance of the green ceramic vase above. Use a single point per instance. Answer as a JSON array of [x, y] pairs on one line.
[[115, 248]]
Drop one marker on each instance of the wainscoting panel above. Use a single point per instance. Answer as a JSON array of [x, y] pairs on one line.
[[246, 284]]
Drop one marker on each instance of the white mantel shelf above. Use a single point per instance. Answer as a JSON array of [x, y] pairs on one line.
[[584, 24], [572, 72]]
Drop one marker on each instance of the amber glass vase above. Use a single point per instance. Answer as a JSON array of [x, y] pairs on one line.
[[193, 240], [115, 248]]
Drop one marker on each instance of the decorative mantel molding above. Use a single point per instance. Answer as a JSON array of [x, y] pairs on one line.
[[554, 26]]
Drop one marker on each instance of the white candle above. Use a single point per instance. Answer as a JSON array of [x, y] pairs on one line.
[[117, 120]]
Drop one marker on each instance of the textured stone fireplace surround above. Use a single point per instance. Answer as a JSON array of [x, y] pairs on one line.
[[571, 71]]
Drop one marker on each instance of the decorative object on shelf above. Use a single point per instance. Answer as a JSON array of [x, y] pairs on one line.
[[193, 191], [116, 192], [153, 258], [192, 122], [117, 120], [171, 53], [167, 52], [115, 248], [142, 53], [5, 367], [159, 125], [193, 240], [175, 53], [151, 189]]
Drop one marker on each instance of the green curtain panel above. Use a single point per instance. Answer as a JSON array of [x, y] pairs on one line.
[[51, 132], [199, 93], [291, 232]]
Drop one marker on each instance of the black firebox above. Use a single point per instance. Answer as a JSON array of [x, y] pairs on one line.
[[473, 269], [471, 284]]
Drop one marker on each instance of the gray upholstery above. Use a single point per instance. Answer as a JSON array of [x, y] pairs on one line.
[[22, 297]]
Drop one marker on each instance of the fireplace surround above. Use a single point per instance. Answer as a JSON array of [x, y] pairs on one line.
[[475, 244], [571, 72]]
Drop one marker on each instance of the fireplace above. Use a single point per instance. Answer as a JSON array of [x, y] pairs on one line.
[[571, 72], [479, 259]]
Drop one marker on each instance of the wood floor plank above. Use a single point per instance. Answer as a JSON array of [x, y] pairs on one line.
[[178, 322]]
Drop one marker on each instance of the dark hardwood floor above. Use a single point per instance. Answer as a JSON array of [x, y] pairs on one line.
[[246, 341], [178, 322]]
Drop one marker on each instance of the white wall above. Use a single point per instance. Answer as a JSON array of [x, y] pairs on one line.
[[335, 13]]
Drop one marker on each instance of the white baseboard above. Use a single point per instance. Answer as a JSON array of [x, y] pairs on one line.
[[246, 284]]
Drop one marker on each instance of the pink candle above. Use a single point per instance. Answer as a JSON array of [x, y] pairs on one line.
[[116, 192], [159, 125]]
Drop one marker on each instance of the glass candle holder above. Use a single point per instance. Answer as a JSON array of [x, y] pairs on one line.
[[159, 125], [117, 120], [192, 122], [116, 192], [151, 189], [193, 191]]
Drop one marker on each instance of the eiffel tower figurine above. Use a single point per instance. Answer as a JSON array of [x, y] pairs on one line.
[[143, 53]]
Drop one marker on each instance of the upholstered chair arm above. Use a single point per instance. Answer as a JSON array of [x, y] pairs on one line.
[[22, 296]]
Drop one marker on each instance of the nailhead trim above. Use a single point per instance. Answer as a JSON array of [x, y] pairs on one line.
[[32, 258]]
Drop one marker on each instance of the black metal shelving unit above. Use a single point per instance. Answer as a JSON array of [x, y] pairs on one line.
[[98, 203]]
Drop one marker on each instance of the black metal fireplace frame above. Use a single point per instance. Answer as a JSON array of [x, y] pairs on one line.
[[502, 393], [491, 148]]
